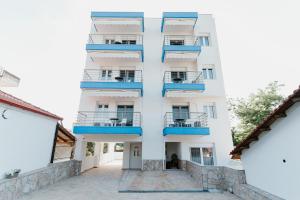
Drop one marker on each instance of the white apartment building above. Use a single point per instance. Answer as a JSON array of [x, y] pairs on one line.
[[156, 85]]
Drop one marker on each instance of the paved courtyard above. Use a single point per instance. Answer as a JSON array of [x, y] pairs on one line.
[[103, 183]]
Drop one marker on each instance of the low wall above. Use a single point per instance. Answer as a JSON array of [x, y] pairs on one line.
[[217, 178], [11, 189]]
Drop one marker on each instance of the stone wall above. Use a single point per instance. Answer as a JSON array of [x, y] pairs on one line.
[[152, 165], [216, 178], [11, 189]]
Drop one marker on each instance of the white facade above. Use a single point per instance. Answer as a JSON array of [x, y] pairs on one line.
[[150, 103], [272, 163], [27, 140]]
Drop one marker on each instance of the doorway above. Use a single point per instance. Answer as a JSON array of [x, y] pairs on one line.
[[135, 161], [172, 155]]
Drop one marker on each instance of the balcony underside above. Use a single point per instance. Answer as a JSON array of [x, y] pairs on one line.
[[113, 86], [181, 20], [186, 131], [107, 130], [189, 87], [180, 52], [120, 18], [116, 50]]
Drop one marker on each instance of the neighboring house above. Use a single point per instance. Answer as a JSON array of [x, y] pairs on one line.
[[27, 135], [8, 79], [156, 85], [65, 143], [270, 154]]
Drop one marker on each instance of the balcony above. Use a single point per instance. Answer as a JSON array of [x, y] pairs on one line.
[[182, 83], [127, 83], [108, 123], [178, 21], [180, 47], [185, 123], [101, 46], [118, 21]]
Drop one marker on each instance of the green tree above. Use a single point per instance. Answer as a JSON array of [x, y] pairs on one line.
[[251, 111]]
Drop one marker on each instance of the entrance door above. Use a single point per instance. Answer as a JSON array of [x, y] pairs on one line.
[[135, 156], [180, 112], [125, 114]]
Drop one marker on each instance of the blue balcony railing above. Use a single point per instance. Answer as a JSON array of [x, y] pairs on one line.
[[128, 123], [180, 44], [112, 79], [185, 123], [183, 81], [110, 42]]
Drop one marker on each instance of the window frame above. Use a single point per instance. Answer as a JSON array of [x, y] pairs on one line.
[[202, 154]]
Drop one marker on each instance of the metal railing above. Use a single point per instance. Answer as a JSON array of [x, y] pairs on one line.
[[183, 77], [181, 40], [112, 75], [109, 119], [120, 39], [185, 119]]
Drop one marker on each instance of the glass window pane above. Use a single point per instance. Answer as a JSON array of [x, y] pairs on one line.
[[208, 156], [206, 41], [210, 74], [204, 73], [196, 155], [201, 40]]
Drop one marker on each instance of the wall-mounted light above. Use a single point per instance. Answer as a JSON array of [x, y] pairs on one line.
[[3, 114]]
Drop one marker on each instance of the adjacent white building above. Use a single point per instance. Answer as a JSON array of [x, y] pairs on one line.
[[27, 134], [270, 154], [155, 85]]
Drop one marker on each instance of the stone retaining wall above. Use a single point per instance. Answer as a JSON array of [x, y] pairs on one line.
[[11, 189], [152, 165], [215, 178]]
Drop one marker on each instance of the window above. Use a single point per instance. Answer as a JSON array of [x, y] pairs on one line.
[[106, 74], [90, 149], [125, 114], [128, 41], [202, 155], [127, 75], [119, 147], [178, 77], [109, 41], [208, 156], [176, 42], [196, 155], [210, 110], [180, 112], [105, 148], [208, 73], [204, 41]]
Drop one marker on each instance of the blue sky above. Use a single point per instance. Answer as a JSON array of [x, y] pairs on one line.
[[43, 43]]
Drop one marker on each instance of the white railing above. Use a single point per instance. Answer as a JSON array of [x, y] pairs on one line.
[[112, 75], [115, 39], [185, 119], [183, 77], [181, 40], [109, 119]]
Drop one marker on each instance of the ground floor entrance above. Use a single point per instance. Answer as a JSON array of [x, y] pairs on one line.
[[97, 153], [172, 155]]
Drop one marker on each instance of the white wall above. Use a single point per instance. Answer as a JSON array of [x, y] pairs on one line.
[[263, 161], [26, 140]]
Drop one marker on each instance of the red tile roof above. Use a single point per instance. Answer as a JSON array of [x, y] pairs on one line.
[[16, 102], [267, 122]]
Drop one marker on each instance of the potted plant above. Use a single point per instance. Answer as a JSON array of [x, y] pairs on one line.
[[13, 173]]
